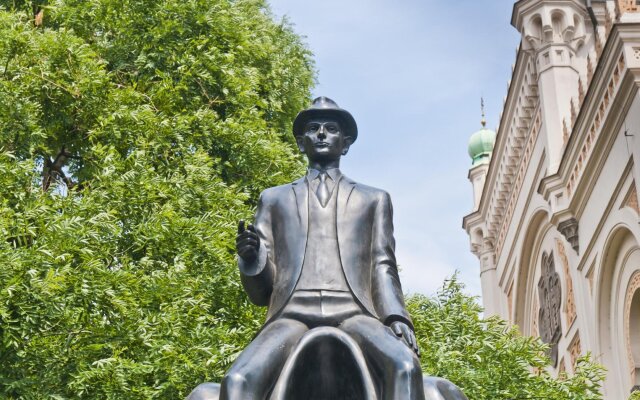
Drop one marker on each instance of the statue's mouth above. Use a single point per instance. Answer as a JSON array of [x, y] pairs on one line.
[[321, 144]]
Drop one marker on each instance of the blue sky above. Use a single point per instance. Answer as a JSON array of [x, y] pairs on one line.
[[412, 73]]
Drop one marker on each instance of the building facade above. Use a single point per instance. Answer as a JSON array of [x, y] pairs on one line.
[[555, 222]]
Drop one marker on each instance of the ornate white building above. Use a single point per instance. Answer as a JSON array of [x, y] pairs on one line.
[[555, 222]]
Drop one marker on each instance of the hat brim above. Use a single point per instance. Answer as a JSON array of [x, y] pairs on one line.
[[347, 122]]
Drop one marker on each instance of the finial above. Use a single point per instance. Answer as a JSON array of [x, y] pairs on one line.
[[483, 121]]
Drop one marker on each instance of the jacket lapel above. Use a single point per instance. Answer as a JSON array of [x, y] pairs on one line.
[[301, 193], [345, 187]]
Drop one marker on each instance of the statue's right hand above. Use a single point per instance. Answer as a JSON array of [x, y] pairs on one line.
[[247, 242]]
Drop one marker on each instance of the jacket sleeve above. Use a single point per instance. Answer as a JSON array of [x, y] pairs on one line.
[[257, 276], [387, 293]]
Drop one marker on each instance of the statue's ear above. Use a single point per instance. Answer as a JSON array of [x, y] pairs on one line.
[[347, 143], [300, 142]]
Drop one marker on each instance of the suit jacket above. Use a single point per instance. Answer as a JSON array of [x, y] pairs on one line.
[[364, 219]]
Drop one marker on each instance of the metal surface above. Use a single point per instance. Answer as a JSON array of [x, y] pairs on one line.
[[342, 330], [434, 389]]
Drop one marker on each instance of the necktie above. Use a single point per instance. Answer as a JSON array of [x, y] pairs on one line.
[[323, 190]]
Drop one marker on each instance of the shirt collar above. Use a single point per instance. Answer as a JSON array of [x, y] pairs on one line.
[[334, 174]]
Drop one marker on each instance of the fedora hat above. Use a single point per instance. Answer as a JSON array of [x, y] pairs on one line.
[[325, 107]]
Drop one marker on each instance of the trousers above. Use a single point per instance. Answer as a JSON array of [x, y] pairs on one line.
[[255, 372]]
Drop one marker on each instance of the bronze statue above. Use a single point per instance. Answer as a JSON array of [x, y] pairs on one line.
[[321, 257]]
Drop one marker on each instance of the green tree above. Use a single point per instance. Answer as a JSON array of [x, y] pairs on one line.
[[488, 359], [133, 135]]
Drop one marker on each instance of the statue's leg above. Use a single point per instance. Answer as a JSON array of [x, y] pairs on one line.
[[254, 373], [389, 357]]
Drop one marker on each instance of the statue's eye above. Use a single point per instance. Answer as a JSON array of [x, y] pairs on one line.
[[332, 128], [313, 128]]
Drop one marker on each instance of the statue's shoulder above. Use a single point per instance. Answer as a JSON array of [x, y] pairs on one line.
[[370, 191], [277, 192]]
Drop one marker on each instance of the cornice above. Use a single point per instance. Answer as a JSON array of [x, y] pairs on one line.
[[520, 8], [470, 220], [522, 225], [517, 79]]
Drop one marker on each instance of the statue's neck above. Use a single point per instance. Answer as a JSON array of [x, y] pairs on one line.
[[322, 165]]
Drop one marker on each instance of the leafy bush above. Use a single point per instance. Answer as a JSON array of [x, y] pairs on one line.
[[487, 358]]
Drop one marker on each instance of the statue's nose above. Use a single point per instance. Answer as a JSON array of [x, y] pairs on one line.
[[321, 132]]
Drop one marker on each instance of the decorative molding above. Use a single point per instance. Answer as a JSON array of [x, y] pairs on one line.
[[575, 350], [569, 230], [514, 190], [609, 97], [594, 130], [562, 368], [570, 303], [521, 107], [631, 199]]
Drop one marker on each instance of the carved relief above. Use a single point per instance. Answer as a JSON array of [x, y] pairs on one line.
[[550, 295], [570, 305]]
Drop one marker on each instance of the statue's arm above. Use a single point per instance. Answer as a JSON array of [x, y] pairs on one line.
[[387, 293], [257, 275]]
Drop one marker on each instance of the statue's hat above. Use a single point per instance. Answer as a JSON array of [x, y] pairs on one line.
[[325, 107]]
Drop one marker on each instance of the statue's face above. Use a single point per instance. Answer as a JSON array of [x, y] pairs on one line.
[[323, 140]]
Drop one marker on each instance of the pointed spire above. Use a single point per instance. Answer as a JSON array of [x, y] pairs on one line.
[[483, 121]]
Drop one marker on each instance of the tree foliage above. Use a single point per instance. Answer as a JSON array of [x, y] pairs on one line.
[[489, 359], [166, 119]]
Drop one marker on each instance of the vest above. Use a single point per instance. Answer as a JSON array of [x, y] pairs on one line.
[[322, 269]]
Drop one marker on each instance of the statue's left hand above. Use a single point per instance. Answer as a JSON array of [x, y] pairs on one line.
[[405, 333]]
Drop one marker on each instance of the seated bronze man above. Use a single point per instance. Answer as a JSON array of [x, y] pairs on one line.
[[321, 257]]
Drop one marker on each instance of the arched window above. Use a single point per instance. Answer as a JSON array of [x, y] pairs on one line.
[[633, 329]]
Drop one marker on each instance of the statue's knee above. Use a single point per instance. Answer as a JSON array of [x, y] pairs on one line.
[[235, 382], [205, 391], [407, 367]]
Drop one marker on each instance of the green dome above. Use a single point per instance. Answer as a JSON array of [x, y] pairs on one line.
[[481, 145]]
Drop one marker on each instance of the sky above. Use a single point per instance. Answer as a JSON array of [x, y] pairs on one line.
[[412, 72]]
